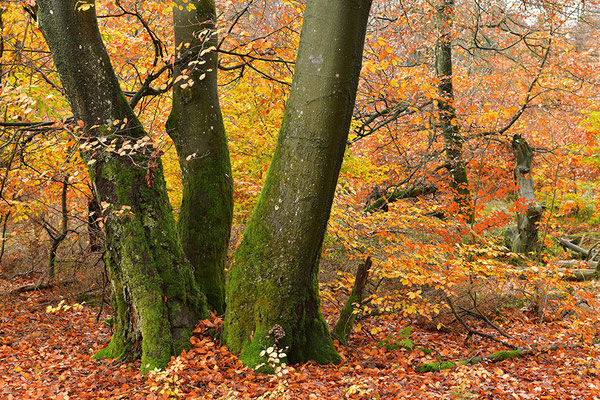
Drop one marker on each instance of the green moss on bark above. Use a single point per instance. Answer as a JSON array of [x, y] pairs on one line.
[[196, 126], [157, 301], [265, 293], [273, 279], [155, 297]]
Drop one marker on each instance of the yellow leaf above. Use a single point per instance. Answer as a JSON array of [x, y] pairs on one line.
[[82, 6]]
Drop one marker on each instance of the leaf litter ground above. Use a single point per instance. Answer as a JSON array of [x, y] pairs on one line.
[[47, 355]]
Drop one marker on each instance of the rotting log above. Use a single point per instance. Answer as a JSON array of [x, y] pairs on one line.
[[588, 254], [577, 270], [580, 275], [494, 357], [348, 316], [577, 263], [31, 287]]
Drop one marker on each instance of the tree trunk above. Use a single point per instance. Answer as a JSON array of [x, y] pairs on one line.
[[58, 235], [524, 238], [273, 293], [196, 127], [447, 120], [95, 234], [1, 45], [3, 237], [346, 321], [156, 302]]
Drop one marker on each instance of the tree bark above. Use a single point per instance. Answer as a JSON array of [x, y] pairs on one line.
[[1, 45], [156, 302], [397, 194], [346, 321], [58, 235], [95, 234], [273, 288], [3, 237], [196, 127], [524, 238], [447, 120]]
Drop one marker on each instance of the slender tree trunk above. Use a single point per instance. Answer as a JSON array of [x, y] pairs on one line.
[[156, 301], [346, 321], [273, 293], [447, 120], [59, 235], [196, 127], [3, 238], [1, 44]]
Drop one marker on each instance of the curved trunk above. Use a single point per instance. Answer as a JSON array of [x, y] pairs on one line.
[[273, 293], [447, 113], [196, 127], [156, 302]]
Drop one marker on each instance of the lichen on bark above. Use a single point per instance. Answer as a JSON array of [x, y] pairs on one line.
[[196, 126]]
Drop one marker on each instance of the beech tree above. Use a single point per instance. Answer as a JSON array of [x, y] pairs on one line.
[[156, 299], [157, 290], [273, 294], [196, 127], [446, 118]]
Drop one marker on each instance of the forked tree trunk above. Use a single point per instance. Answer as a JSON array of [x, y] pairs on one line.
[[524, 237], [273, 293], [156, 301], [196, 127], [447, 120]]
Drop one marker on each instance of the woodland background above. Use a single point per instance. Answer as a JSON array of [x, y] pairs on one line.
[[443, 286]]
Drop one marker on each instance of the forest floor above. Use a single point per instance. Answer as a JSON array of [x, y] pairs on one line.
[[46, 354]]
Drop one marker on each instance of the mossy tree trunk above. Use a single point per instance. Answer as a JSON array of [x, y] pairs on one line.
[[156, 301], [524, 237], [196, 127], [346, 321], [272, 292], [447, 120]]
